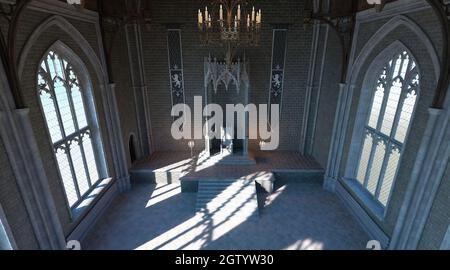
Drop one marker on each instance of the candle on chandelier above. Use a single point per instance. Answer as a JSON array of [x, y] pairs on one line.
[[200, 17], [239, 13], [209, 21], [253, 14], [248, 20], [221, 13], [235, 21], [206, 14]]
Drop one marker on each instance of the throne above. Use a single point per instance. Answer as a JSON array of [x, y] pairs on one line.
[[225, 82], [226, 145]]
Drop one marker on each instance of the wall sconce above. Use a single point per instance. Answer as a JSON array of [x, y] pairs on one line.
[[262, 144], [191, 145], [379, 4], [78, 3]]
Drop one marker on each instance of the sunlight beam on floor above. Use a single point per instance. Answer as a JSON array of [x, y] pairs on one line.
[[201, 229], [306, 244], [163, 192]]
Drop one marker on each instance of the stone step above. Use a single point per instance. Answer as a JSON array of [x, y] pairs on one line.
[[229, 209], [224, 202], [226, 195], [225, 205], [233, 198], [223, 190], [220, 188], [224, 182], [241, 213]]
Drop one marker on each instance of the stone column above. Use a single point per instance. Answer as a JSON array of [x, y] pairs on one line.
[[306, 113], [115, 137], [309, 86], [426, 176], [137, 74], [338, 136], [23, 153]]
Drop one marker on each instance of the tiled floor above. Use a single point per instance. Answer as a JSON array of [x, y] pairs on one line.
[[296, 216]]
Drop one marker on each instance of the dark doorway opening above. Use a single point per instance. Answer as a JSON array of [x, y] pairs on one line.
[[132, 148]]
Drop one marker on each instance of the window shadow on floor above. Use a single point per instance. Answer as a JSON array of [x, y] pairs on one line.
[[295, 216]]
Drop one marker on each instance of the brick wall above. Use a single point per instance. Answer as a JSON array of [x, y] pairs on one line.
[[184, 12]]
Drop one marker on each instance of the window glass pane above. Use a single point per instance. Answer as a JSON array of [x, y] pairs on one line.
[[79, 106], [364, 161], [405, 65], [65, 65], [78, 165], [375, 167], [51, 66], [397, 66], [58, 70], [90, 159], [64, 107], [405, 116], [389, 176], [391, 107], [50, 116], [66, 175], [44, 67], [376, 106]]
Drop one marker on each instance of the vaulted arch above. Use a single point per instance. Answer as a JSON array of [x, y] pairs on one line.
[[71, 31], [385, 30]]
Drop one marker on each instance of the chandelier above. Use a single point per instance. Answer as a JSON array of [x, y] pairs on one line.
[[229, 24]]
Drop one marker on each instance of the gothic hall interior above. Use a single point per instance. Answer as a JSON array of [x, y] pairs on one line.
[[224, 124]]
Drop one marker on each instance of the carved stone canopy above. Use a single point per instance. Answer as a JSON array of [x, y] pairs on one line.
[[219, 73]]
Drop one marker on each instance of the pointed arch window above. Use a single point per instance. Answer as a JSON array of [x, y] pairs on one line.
[[71, 121], [394, 98]]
